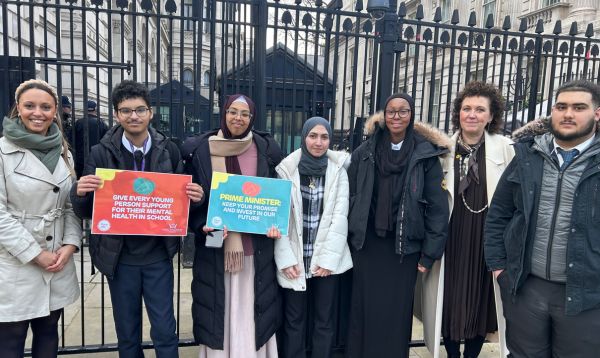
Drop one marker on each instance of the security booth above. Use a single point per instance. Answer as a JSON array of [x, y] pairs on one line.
[[296, 90], [179, 111]]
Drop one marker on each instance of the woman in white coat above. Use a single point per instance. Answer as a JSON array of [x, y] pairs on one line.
[[466, 306], [309, 259], [38, 230]]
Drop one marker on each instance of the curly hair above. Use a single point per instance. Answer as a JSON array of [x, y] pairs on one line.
[[128, 89], [481, 89]]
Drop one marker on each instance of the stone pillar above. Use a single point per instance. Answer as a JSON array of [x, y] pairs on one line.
[[582, 11]]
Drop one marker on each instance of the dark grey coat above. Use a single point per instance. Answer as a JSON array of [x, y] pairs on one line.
[[511, 223]]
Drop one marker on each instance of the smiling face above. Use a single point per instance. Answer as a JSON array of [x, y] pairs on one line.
[[237, 118], [574, 118], [397, 118], [317, 141], [37, 109], [474, 116], [131, 122]]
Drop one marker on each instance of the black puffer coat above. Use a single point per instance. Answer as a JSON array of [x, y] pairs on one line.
[[422, 223], [208, 285], [164, 158]]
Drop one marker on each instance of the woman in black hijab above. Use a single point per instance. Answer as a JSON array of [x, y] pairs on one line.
[[398, 224]]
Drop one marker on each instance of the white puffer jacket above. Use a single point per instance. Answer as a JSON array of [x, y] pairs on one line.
[[331, 249]]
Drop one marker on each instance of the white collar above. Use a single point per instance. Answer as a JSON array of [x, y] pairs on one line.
[[397, 146], [581, 147], [132, 148]]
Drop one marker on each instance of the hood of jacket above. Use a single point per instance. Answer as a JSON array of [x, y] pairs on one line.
[[376, 122], [534, 128]]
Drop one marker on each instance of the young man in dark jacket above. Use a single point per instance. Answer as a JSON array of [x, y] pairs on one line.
[[542, 233], [136, 266]]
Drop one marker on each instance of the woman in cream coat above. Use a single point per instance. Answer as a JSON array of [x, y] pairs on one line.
[[38, 230], [316, 250], [477, 118]]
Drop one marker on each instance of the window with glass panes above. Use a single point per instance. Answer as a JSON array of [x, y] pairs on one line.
[[489, 7]]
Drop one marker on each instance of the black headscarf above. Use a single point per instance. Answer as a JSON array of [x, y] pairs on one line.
[[231, 163], [309, 164], [391, 166]]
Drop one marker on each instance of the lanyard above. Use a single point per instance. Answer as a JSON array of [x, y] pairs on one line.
[[143, 154]]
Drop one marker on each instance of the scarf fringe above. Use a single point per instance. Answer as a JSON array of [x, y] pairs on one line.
[[234, 261]]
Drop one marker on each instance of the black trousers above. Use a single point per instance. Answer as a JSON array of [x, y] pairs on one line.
[[537, 327], [320, 294], [45, 337]]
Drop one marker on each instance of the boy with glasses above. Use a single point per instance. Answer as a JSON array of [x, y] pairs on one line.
[[136, 266]]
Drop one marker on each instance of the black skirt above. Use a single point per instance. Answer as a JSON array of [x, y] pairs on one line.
[[382, 300]]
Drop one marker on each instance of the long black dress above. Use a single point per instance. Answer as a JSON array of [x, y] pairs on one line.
[[382, 296], [469, 308]]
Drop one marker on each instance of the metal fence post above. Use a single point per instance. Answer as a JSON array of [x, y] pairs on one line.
[[259, 21], [537, 62], [387, 29]]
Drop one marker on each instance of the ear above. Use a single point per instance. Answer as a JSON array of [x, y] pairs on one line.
[[597, 114]]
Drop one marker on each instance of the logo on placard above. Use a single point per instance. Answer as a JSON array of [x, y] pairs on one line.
[[172, 229], [143, 186], [251, 189], [217, 221], [103, 225]]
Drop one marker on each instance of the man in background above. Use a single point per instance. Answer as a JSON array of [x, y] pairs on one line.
[[88, 132]]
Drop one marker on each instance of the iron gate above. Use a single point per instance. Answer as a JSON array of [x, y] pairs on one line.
[[296, 59]]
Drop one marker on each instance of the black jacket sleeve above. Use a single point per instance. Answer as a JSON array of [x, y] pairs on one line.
[[83, 205], [195, 168], [436, 213], [500, 213]]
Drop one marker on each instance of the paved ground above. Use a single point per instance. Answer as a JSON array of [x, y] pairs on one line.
[[96, 290]]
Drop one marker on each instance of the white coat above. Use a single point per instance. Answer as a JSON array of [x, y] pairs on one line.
[[35, 215], [498, 154], [331, 249]]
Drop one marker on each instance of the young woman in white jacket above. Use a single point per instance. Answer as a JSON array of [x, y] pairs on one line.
[[39, 231], [316, 250]]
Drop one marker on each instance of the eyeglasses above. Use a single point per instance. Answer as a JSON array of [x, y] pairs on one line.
[[127, 112], [243, 114], [402, 113]]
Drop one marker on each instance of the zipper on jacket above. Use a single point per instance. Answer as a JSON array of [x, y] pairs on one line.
[[553, 224], [595, 197]]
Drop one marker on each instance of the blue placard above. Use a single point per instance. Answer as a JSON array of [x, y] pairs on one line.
[[249, 204]]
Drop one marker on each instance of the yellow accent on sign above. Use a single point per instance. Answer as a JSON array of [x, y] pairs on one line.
[[106, 174], [218, 178]]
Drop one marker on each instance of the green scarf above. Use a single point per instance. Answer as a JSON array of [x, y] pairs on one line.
[[46, 148]]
